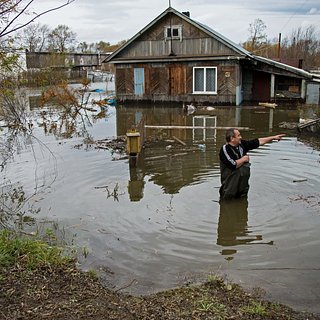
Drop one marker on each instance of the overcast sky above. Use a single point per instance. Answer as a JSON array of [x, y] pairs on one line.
[[115, 20]]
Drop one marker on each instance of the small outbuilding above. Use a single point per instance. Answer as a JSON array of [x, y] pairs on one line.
[[175, 58]]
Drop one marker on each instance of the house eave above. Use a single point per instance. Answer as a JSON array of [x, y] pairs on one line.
[[176, 59], [294, 70]]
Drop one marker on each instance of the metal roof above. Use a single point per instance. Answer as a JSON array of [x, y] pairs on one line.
[[283, 66]]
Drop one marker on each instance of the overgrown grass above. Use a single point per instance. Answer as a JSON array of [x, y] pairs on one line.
[[29, 252], [255, 308]]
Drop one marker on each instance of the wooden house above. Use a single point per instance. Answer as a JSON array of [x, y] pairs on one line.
[[175, 58]]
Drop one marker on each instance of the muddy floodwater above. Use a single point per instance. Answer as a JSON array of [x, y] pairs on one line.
[[160, 224]]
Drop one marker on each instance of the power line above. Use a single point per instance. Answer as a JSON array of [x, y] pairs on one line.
[[303, 3]]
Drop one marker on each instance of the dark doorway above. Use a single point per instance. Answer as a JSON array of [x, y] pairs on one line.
[[261, 86]]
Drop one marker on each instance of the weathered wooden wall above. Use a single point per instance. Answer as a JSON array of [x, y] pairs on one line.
[[173, 82], [38, 60], [194, 42]]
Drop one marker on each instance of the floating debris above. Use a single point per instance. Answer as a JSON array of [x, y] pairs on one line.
[[116, 146], [300, 180], [288, 125]]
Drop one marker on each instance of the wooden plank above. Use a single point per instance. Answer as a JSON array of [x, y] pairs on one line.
[[268, 105], [180, 141], [193, 127], [309, 123]]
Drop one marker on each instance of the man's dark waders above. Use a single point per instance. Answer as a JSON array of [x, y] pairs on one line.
[[235, 183]]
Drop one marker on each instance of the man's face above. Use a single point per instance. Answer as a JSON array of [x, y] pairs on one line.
[[236, 139]]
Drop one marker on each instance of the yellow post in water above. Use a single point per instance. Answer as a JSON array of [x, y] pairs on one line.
[[133, 142]]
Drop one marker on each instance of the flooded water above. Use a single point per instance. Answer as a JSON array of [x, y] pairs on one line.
[[160, 225]]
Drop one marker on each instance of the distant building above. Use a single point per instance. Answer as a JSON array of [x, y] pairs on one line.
[[77, 64]]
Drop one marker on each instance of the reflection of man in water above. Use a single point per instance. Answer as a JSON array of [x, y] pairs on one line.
[[234, 163], [233, 218], [233, 226]]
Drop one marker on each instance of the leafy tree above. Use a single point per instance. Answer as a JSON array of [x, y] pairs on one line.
[[62, 39], [103, 46], [114, 47], [75, 109]]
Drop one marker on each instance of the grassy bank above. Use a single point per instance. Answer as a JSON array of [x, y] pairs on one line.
[[38, 282]]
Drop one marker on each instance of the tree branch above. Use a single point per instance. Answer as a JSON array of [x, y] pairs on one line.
[[5, 32], [10, 6]]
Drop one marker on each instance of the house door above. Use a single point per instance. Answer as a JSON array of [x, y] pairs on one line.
[[177, 80], [261, 86], [138, 81]]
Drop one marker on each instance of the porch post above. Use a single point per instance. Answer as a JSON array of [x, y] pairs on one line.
[[272, 87], [303, 89], [239, 97]]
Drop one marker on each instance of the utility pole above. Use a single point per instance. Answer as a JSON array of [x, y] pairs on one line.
[[279, 47]]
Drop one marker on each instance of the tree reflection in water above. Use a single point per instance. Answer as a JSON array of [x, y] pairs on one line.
[[62, 111]]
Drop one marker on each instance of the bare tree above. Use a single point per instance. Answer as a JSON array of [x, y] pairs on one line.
[[303, 44], [258, 38], [34, 37], [83, 47], [61, 38], [101, 46], [13, 14]]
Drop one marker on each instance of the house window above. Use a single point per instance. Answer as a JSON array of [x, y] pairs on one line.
[[173, 32], [205, 80]]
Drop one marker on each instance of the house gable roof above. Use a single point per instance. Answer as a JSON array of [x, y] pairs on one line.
[[240, 51], [210, 32]]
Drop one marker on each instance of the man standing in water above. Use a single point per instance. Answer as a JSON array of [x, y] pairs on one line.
[[234, 163]]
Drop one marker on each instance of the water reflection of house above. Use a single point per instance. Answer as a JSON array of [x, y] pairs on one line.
[[175, 58], [170, 165], [172, 117], [171, 169]]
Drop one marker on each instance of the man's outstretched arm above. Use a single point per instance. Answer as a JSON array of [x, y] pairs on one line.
[[265, 140]]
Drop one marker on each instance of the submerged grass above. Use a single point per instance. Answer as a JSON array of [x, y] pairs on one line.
[[28, 253], [37, 281]]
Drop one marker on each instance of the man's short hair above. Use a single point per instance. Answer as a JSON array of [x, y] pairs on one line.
[[230, 134]]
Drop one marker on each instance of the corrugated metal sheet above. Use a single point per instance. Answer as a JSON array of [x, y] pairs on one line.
[[313, 93]]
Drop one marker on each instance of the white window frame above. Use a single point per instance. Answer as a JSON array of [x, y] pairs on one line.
[[205, 79], [178, 37], [211, 121]]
